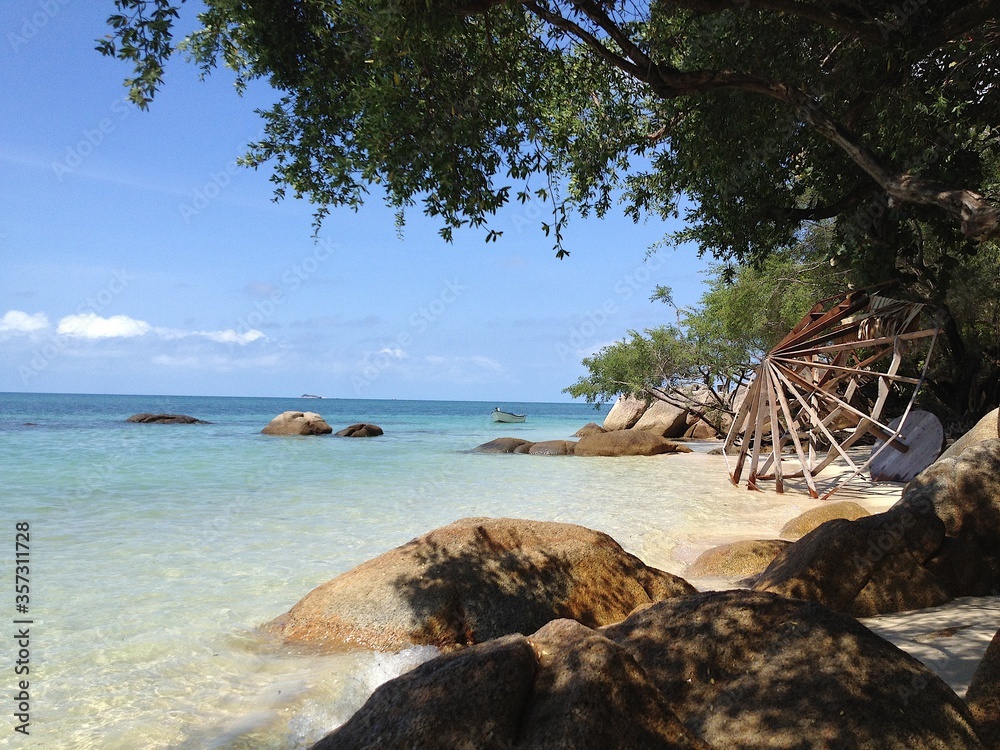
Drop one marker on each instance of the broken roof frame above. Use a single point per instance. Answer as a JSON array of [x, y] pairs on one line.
[[808, 380]]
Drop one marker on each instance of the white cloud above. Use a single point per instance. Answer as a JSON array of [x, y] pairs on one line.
[[93, 326], [396, 353], [16, 321]]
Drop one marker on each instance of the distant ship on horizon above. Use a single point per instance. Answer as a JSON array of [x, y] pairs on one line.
[[309, 395]]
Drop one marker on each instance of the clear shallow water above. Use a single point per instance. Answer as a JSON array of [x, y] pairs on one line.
[[157, 550]]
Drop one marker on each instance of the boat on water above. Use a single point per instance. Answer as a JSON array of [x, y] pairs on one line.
[[506, 416]]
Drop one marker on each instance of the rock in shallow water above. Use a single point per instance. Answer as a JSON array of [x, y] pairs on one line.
[[627, 443], [297, 423], [360, 430], [474, 580], [165, 419]]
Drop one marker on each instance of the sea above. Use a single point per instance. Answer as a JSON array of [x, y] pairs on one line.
[[153, 553]]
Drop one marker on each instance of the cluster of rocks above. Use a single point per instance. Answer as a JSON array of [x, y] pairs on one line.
[[628, 443], [555, 637], [297, 423], [661, 418], [288, 423]]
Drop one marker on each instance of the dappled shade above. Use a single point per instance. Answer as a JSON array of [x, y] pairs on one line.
[[474, 580]]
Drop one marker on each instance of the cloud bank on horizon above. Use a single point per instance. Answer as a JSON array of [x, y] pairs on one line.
[[89, 325]]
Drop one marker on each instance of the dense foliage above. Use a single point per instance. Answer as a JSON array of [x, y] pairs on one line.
[[767, 113], [763, 121]]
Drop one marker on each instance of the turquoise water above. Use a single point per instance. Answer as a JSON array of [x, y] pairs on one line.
[[157, 550]]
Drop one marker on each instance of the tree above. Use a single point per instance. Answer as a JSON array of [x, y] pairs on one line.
[[700, 364], [766, 113]]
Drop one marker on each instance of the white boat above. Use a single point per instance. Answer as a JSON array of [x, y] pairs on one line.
[[506, 416]]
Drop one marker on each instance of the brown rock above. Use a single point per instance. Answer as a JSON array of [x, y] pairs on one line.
[[165, 419], [985, 429], [983, 695], [811, 519], [502, 445], [865, 567], [591, 428], [663, 419], [964, 492], [700, 431], [736, 560], [564, 688], [625, 413], [627, 443], [297, 423], [361, 429], [744, 670], [477, 579], [469, 699], [524, 448], [553, 448]]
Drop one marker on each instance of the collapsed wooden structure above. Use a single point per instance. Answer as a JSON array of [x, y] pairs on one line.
[[808, 385]]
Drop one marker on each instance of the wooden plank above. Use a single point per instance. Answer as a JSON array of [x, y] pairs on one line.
[[779, 485], [757, 435], [816, 418], [750, 401], [793, 429], [860, 344], [852, 370]]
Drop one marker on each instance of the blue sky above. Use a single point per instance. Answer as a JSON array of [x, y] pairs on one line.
[[136, 257]]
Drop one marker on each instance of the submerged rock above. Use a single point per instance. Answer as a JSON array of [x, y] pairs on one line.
[[297, 423], [744, 670], [553, 448], [477, 579], [503, 445], [627, 443], [361, 429], [165, 419]]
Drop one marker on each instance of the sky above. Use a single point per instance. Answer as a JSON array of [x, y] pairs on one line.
[[137, 257]]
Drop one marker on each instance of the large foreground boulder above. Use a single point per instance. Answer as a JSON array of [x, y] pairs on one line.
[[873, 565], [813, 518], [736, 560], [297, 423], [983, 695], [964, 492], [477, 579], [563, 688], [985, 429], [361, 429], [626, 412], [145, 418], [627, 443], [749, 670]]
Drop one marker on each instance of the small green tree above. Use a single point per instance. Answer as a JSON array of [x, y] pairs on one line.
[[700, 364]]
